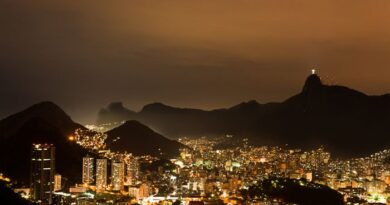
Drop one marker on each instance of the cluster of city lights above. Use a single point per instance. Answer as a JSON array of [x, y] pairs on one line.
[[97, 142], [367, 178], [205, 168], [89, 139]]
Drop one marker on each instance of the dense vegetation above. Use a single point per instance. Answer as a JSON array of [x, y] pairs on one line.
[[7, 196], [293, 191]]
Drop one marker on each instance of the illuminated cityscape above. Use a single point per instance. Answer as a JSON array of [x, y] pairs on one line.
[[183, 102], [203, 173], [225, 169]]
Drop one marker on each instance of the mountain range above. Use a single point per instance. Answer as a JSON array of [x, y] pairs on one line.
[[47, 123], [347, 122]]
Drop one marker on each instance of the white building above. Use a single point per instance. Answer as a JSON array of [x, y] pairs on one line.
[[117, 175], [88, 170], [101, 173]]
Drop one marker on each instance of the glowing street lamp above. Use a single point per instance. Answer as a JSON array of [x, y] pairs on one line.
[[71, 138]]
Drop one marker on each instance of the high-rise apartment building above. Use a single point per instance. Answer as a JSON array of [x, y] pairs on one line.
[[88, 170], [42, 172], [117, 175], [101, 173], [132, 170]]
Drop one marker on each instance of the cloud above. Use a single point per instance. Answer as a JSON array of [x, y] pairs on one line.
[[204, 54]]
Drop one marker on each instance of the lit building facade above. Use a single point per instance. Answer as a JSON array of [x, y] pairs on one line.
[[57, 182], [42, 172], [88, 170], [140, 191], [101, 173], [132, 170], [117, 175]]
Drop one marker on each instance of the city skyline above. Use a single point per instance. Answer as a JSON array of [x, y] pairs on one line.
[[195, 102], [130, 163]]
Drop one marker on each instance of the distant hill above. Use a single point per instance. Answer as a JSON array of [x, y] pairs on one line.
[[41, 123], [346, 121], [141, 140], [115, 112]]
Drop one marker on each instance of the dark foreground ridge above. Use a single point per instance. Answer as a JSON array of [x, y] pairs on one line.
[[8, 196], [293, 191]]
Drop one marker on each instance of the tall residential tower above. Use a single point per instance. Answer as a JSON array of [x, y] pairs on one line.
[[101, 173], [117, 175], [42, 172], [88, 170]]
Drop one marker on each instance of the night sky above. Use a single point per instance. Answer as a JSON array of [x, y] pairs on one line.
[[204, 54]]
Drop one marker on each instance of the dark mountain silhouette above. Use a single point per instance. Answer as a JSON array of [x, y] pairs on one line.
[[41, 123], [115, 112], [141, 140], [347, 122], [48, 111]]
